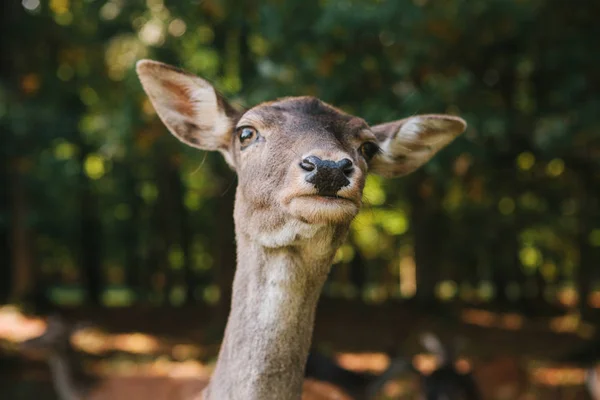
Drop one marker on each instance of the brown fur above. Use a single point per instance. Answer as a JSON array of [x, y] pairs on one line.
[[183, 107], [286, 234]]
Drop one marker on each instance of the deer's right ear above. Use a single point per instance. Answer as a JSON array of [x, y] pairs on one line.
[[189, 106]]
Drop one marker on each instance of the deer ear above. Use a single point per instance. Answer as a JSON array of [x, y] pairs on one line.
[[189, 106], [409, 143]]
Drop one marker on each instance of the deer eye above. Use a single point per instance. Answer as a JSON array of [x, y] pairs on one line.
[[247, 134], [368, 150]]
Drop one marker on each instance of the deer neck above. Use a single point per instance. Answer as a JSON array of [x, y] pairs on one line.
[[62, 365], [70, 380], [275, 293]]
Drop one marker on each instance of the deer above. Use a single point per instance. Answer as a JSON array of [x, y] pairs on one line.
[[446, 382], [72, 382], [443, 383], [68, 378], [301, 166], [356, 385]]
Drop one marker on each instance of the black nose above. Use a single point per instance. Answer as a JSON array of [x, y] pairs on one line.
[[327, 176]]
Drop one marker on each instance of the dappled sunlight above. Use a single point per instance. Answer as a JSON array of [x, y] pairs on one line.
[[160, 367], [482, 318], [463, 366], [594, 299], [179, 361], [186, 351], [138, 343], [407, 274], [568, 323], [511, 321], [121, 54], [426, 363], [15, 327], [190, 368], [572, 323], [395, 389], [568, 296], [317, 390], [558, 376], [92, 341], [378, 362], [371, 362]]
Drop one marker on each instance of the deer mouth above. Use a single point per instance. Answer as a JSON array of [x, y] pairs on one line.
[[323, 209], [327, 197]]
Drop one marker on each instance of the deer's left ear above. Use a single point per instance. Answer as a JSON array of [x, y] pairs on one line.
[[409, 143]]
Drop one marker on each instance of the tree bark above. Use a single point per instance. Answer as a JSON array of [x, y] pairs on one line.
[[587, 254], [185, 238], [20, 243], [90, 253], [5, 251], [426, 223], [178, 221], [134, 268], [8, 15]]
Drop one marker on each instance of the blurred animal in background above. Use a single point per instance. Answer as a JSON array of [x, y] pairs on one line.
[[357, 385], [68, 378], [71, 382], [445, 382], [588, 357]]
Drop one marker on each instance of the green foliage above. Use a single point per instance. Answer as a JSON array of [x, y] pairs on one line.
[[511, 201]]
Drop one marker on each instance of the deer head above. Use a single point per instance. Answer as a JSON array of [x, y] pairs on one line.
[[299, 158]]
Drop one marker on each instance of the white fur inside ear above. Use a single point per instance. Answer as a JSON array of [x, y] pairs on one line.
[[425, 133]]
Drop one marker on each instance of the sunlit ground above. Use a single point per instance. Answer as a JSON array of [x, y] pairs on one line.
[[159, 357]]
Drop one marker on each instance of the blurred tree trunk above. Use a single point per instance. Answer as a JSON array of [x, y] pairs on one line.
[[5, 251], [587, 255], [173, 231], [90, 251], [426, 223], [20, 235], [135, 269], [8, 12], [185, 235], [505, 262], [175, 223], [358, 271], [162, 227]]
